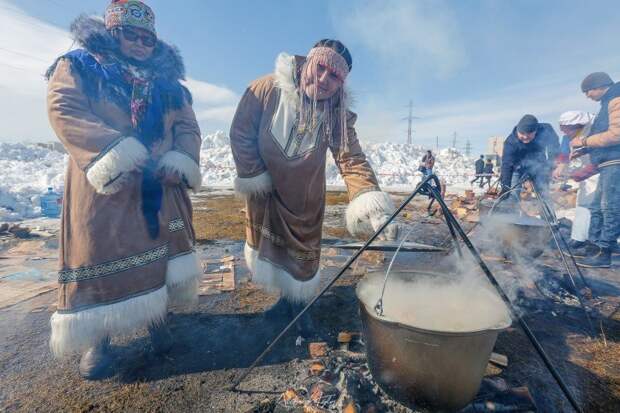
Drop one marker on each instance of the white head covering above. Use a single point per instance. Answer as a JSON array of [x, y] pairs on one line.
[[575, 117]]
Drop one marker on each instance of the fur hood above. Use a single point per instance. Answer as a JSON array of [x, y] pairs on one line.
[[89, 32], [286, 78]]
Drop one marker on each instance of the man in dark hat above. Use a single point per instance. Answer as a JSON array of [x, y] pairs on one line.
[[603, 146], [530, 151]]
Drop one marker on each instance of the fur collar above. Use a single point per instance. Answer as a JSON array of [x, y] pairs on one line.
[[286, 78], [90, 33]]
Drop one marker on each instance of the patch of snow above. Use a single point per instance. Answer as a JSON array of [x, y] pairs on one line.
[[28, 170]]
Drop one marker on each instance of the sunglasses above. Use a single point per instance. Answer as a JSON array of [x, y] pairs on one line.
[[147, 40]]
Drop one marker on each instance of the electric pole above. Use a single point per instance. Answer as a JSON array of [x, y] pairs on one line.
[[454, 140], [410, 119], [437, 144]]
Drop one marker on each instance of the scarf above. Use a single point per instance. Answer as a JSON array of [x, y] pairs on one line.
[[140, 80]]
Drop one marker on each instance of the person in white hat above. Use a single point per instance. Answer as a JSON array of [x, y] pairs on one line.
[[574, 124]]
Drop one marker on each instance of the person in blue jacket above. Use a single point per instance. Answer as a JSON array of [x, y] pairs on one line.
[[530, 151]]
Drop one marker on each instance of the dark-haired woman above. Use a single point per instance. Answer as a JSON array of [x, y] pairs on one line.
[[126, 245], [284, 126]]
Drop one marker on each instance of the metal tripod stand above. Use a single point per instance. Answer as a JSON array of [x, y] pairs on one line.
[[430, 186]]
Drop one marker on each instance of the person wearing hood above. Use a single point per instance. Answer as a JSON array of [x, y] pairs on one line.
[[575, 124], [126, 242], [530, 151], [283, 127], [602, 144]]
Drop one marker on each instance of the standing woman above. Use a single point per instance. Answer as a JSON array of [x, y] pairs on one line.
[[126, 244], [283, 127]]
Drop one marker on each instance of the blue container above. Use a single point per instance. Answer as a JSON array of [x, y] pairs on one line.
[[51, 203]]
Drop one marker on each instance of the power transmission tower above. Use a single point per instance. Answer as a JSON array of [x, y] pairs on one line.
[[410, 119], [468, 148]]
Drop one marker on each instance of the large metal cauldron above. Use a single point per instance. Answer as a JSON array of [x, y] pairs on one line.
[[440, 370], [510, 233]]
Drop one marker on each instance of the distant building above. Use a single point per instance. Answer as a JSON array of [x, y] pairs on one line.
[[496, 145]]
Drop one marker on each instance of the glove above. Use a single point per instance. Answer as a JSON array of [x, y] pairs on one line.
[[390, 233]]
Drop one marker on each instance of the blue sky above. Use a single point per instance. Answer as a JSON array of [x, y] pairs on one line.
[[473, 67]]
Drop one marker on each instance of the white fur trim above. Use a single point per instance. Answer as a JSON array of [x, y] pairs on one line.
[[275, 279], [121, 159], [175, 161], [76, 332], [182, 277], [259, 185], [364, 206], [284, 78]]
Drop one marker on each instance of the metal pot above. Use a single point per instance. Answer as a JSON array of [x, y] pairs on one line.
[[516, 235], [436, 369]]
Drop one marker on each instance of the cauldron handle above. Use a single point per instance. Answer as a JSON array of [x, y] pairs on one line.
[[379, 306]]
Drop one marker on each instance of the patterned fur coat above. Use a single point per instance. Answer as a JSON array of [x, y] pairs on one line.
[[115, 276]]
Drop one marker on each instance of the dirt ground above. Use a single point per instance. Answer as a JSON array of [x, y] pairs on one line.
[[217, 340]]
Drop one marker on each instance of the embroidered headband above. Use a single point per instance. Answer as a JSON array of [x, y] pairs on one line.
[[330, 58]]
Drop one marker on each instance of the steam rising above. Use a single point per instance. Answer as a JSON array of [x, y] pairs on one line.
[[436, 302]]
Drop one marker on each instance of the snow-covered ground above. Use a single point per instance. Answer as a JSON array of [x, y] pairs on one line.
[[27, 170]]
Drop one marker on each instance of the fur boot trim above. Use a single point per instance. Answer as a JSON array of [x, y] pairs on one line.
[[256, 186], [109, 173], [78, 331], [182, 277], [276, 279], [364, 206], [184, 165]]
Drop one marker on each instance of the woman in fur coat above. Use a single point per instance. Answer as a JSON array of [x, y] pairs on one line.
[[284, 126], [126, 244]]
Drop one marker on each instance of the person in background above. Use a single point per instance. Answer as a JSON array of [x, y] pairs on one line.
[[126, 241], [428, 163], [603, 146], [530, 152], [575, 124], [488, 172], [283, 127], [479, 167]]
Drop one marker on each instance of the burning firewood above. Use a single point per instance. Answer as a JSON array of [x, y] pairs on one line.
[[317, 350], [324, 394]]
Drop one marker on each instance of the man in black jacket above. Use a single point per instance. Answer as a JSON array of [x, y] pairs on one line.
[[530, 151], [479, 165]]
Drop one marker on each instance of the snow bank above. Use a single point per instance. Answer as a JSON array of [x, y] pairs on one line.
[[26, 170], [396, 165]]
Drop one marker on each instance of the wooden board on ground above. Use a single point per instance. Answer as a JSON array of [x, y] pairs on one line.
[[218, 276], [382, 246], [15, 291]]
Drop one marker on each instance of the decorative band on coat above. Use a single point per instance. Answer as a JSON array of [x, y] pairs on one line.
[[113, 267], [279, 241], [176, 224]]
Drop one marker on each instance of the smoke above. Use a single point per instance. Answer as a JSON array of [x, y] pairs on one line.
[[459, 302], [457, 296], [520, 240]]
